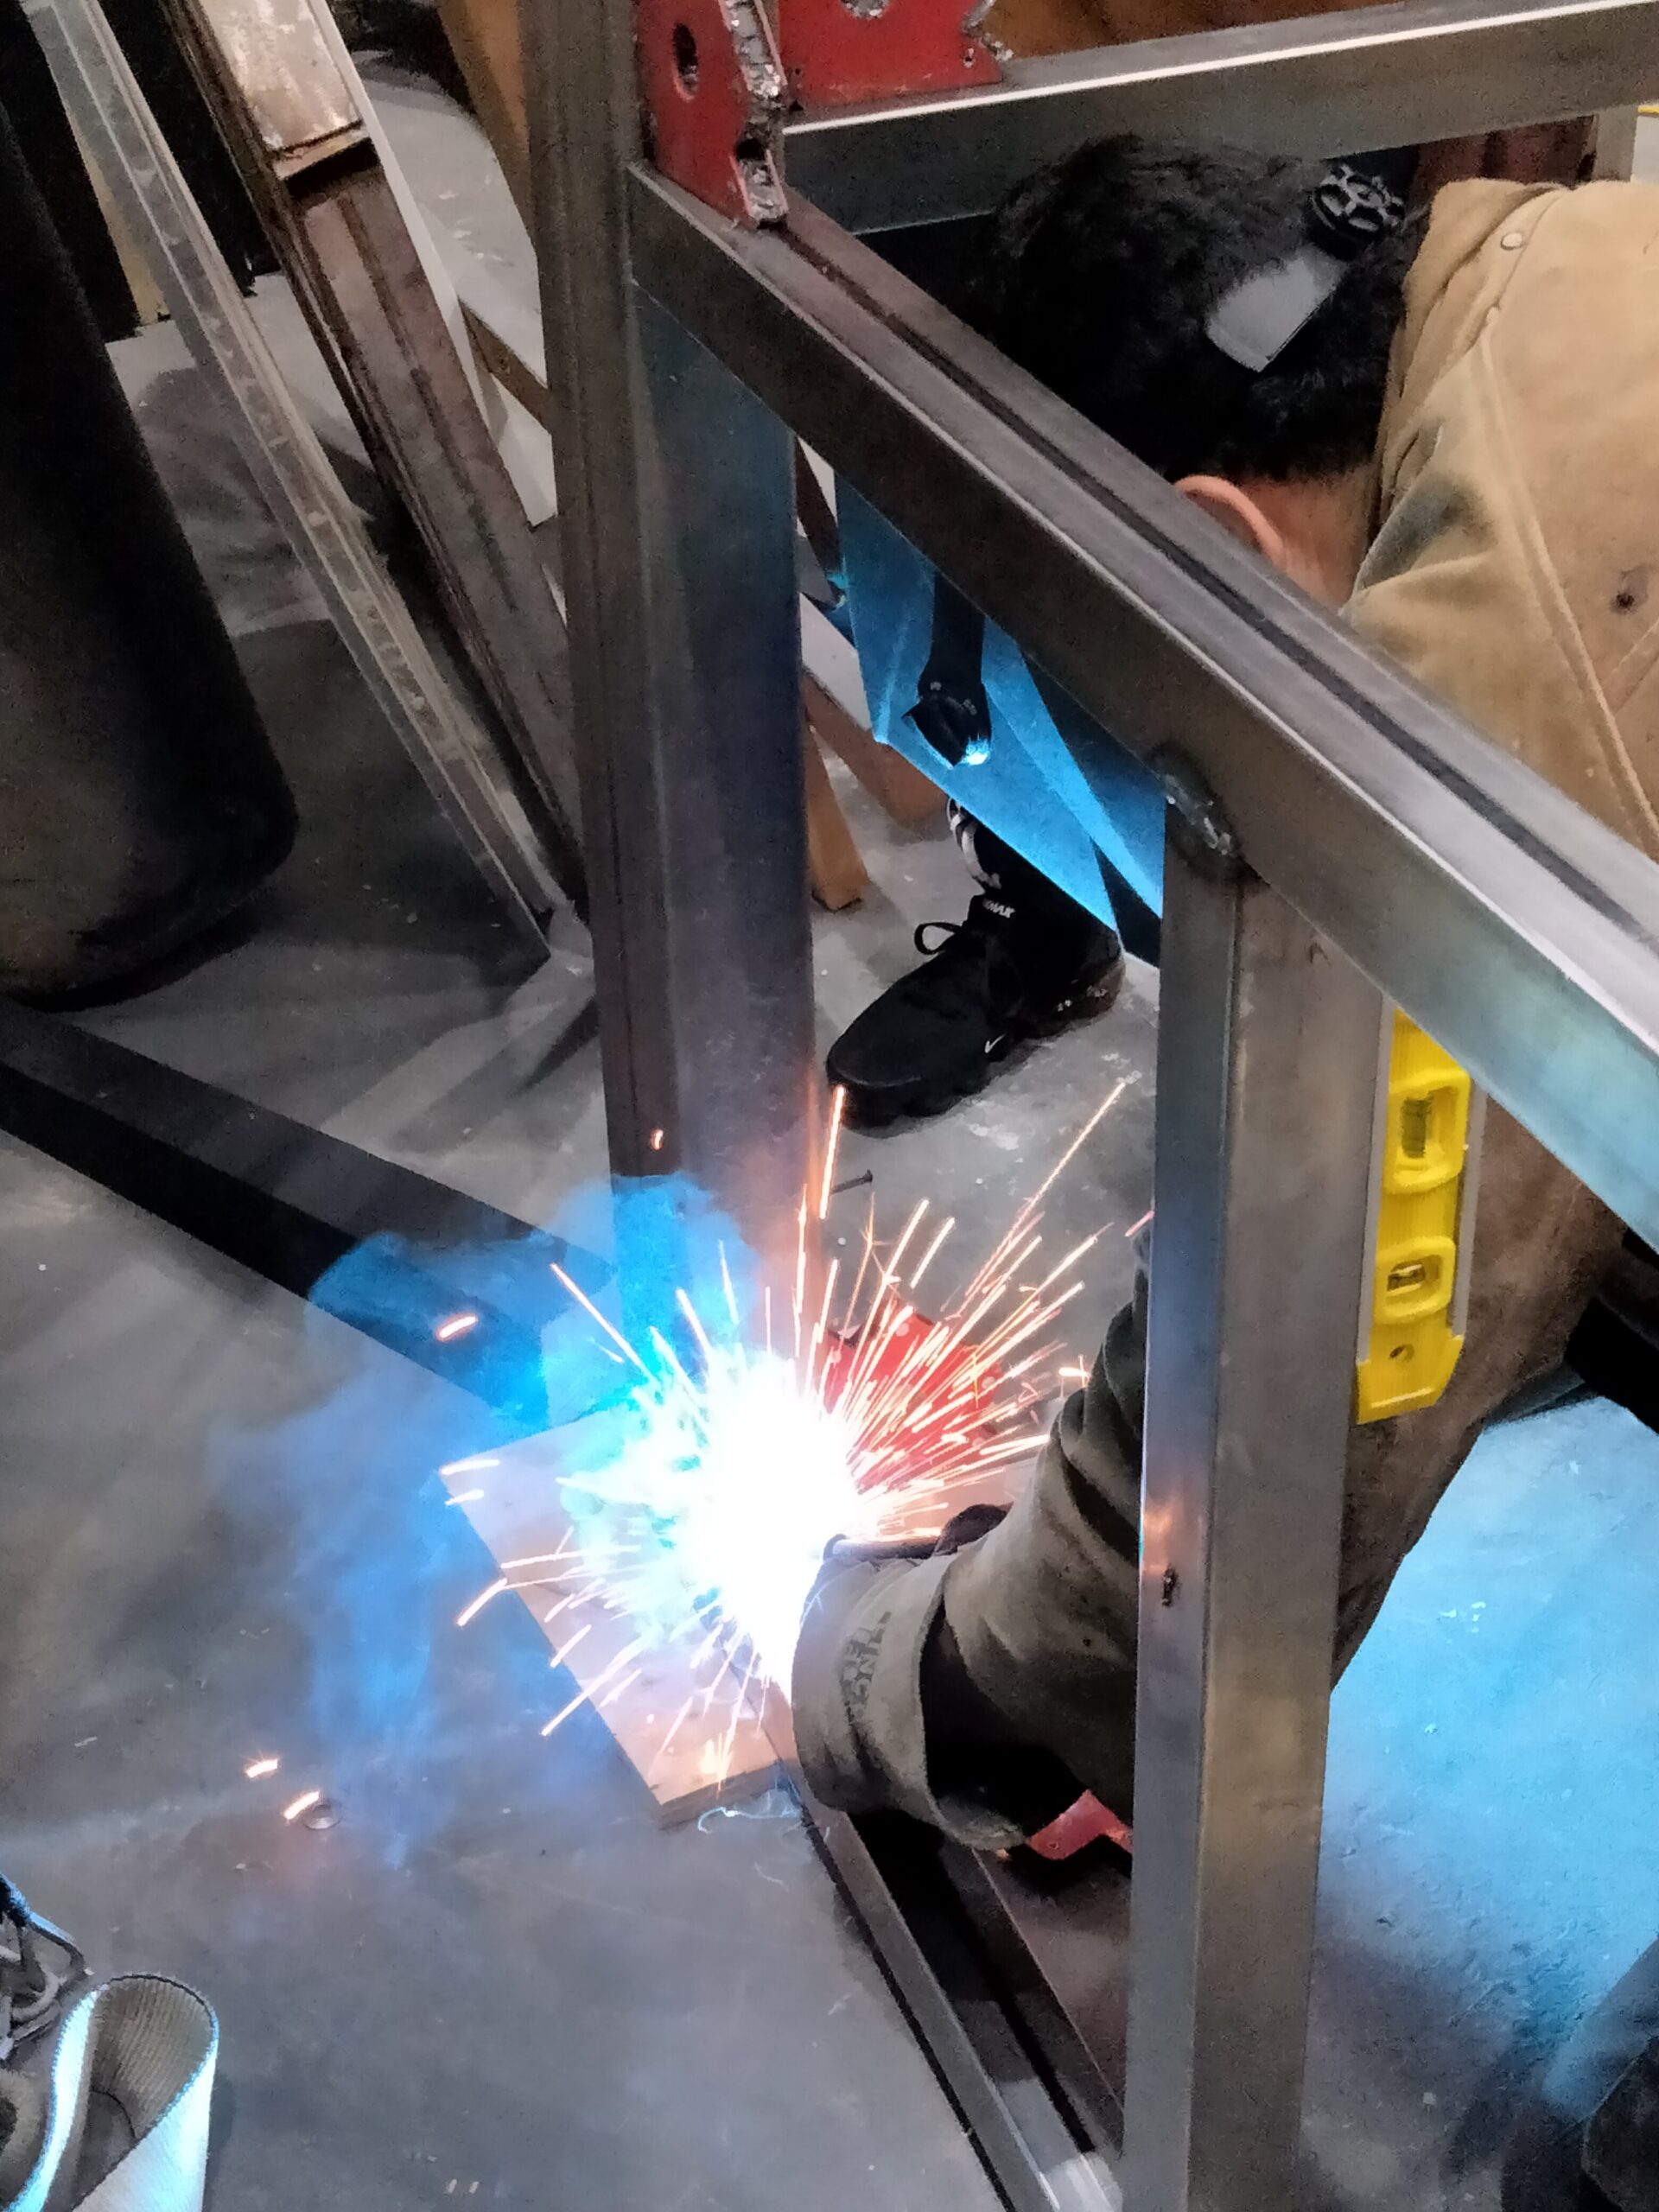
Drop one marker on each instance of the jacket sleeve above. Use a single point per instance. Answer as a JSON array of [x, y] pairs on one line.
[[1042, 1611]]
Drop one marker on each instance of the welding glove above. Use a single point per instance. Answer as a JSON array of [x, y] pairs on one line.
[[860, 1733], [981, 1688]]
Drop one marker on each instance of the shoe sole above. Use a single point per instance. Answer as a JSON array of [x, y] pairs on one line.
[[1089, 1007]]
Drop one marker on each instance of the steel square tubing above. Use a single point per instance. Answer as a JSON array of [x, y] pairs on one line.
[[676, 514], [1339, 83], [1265, 1094]]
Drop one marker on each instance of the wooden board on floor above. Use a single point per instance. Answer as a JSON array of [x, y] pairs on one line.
[[519, 1514], [147, 299], [834, 864], [901, 790], [507, 362], [514, 1496]]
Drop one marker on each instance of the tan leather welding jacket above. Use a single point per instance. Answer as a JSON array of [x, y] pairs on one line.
[[1517, 570]]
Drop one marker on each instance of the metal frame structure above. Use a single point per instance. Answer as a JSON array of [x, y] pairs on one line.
[[1335, 833]]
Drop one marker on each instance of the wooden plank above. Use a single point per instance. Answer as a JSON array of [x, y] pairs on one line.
[[439, 725], [507, 365], [838, 874], [1035, 27], [296, 95], [352, 244], [484, 38], [902, 790], [814, 515], [834, 867], [432, 441], [512, 1497], [147, 303]]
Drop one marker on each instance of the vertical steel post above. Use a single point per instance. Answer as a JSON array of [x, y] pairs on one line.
[[1267, 1065], [677, 518]]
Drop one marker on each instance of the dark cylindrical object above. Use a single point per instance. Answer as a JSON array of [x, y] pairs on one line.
[[48, 146], [139, 796]]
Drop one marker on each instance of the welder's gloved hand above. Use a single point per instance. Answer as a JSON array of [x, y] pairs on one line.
[[855, 1686], [979, 1689], [885, 1716], [1042, 1614]]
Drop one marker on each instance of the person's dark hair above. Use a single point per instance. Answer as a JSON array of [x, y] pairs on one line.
[[1100, 272]]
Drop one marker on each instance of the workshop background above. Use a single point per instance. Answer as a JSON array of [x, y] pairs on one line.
[[223, 1534]]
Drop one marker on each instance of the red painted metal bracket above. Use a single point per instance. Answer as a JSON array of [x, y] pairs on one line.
[[714, 90], [837, 51]]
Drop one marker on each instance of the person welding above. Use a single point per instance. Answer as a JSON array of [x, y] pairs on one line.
[[1038, 949], [1442, 423]]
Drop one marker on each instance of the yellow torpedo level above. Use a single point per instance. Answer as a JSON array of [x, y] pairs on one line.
[[1423, 1212]]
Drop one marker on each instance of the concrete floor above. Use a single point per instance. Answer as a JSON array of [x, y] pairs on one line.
[[220, 1534], [1490, 1810]]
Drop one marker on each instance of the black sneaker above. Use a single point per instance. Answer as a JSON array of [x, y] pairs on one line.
[[1000, 979]]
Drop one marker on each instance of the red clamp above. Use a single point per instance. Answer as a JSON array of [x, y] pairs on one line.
[[714, 88], [838, 51], [1084, 1822]]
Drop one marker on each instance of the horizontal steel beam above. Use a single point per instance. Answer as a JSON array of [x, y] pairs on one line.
[[908, 1889], [1345, 82], [890, 1872], [292, 1203], [1512, 926]]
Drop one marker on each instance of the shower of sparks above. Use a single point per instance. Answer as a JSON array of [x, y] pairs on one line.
[[302, 1803], [832, 1146], [458, 1324], [814, 1408], [256, 1770]]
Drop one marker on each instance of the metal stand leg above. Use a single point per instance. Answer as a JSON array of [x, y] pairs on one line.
[[1267, 1061], [676, 508]]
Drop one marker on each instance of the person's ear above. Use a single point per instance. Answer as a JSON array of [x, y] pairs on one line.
[[1238, 515]]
